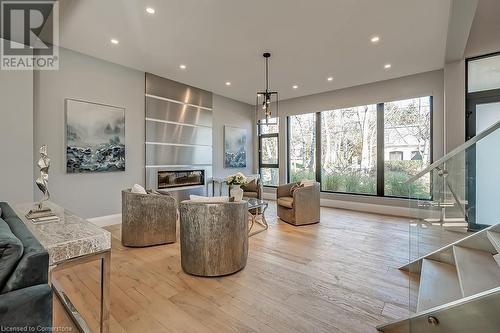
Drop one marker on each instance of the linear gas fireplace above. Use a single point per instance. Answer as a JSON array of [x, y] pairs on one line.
[[173, 179]]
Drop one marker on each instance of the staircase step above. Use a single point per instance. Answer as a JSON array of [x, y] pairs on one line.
[[438, 285], [494, 238], [477, 270]]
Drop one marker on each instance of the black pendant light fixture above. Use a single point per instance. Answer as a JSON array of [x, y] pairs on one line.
[[267, 101]]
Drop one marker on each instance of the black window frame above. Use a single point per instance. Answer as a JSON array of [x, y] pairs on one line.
[[472, 99], [380, 151], [266, 165]]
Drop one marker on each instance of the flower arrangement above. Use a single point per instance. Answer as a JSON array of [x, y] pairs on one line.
[[237, 179]]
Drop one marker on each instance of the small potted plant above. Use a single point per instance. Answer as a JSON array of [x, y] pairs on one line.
[[235, 181]]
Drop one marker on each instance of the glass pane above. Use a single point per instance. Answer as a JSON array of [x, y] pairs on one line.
[[269, 176], [407, 146], [484, 74], [349, 150], [270, 129], [486, 172], [269, 147], [302, 147]]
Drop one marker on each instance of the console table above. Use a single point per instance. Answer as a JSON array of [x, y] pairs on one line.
[[72, 241]]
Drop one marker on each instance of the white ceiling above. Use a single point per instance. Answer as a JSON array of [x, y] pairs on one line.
[[223, 40]]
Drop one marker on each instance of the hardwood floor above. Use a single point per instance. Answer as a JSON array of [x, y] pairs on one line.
[[337, 276]]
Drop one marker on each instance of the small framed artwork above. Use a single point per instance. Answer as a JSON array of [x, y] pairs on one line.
[[235, 151], [95, 137]]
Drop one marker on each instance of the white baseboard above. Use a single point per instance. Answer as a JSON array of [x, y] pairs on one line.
[[103, 221], [368, 207], [358, 206]]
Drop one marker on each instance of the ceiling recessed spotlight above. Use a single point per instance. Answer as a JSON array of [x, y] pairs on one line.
[[228, 83], [150, 10], [375, 39], [295, 86], [330, 78], [182, 66], [387, 66], [115, 41]]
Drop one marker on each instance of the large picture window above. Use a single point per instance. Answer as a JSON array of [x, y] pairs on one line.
[[302, 147], [268, 153], [349, 150], [407, 145], [370, 149]]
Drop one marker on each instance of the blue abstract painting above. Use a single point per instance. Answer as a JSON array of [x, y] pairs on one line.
[[95, 137], [235, 151]]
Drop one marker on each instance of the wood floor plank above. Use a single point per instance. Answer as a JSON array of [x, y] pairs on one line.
[[336, 276]]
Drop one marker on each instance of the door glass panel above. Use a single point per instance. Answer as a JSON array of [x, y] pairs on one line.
[[484, 74], [487, 162], [269, 176], [269, 154]]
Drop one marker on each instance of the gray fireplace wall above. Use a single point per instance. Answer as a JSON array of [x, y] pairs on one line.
[[179, 121]]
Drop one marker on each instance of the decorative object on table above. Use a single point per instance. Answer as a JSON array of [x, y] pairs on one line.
[[95, 137], [301, 206], [266, 105], [41, 213], [214, 237], [235, 151], [235, 181]]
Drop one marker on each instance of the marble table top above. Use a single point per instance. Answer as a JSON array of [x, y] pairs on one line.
[[68, 238]]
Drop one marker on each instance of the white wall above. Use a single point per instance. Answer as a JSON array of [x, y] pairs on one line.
[[16, 136], [454, 95], [87, 78], [237, 114], [484, 36]]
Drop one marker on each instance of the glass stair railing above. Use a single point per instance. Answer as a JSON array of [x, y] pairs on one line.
[[454, 241]]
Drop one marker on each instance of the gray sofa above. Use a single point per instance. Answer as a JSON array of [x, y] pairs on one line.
[[25, 296], [300, 207]]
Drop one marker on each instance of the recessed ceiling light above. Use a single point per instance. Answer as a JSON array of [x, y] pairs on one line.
[[330, 78], [375, 39], [150, 10], [182, 66], [387, 66], [228, 83], [115, 41], [295, 86]]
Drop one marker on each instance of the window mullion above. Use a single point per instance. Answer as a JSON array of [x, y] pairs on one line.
[[318, 147], [380, 149]]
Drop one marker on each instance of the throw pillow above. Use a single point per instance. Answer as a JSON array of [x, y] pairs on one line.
[[251, 186], [294, 187], [138, 189]]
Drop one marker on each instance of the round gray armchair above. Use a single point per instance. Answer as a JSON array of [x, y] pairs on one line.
[[148, 219], [214, 237]]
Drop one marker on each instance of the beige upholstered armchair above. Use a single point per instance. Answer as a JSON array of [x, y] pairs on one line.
[[253, 189], [301, 207]]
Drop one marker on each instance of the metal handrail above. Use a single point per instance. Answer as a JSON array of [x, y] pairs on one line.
[[455, 151]]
